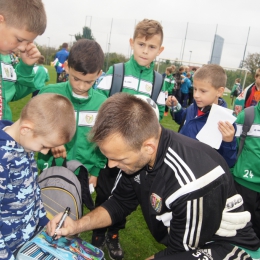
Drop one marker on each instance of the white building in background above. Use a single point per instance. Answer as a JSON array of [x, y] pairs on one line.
[[217, 48]]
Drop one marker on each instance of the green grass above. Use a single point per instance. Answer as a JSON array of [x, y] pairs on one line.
[[135, 239]]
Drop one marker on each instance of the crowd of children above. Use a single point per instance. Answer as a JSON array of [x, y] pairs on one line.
[[57, 121]]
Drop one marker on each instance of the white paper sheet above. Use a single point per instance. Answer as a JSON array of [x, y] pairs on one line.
[[209, 133]]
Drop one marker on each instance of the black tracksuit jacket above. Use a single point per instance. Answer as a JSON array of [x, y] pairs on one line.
[[190, 183]]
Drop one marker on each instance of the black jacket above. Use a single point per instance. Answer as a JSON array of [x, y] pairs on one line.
[[190, 179]]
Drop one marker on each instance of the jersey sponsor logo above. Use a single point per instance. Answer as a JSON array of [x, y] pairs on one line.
[[145, 87], [148, 88], [87, 118], [156, 202]]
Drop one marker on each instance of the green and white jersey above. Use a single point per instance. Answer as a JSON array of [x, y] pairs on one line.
[[246, 170], [137, 80]]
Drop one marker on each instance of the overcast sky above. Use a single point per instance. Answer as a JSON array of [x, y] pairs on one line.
[[189, 26]]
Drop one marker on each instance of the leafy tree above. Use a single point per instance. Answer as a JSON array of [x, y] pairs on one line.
[[87, 34], [47, 52], [252, 62], [113, 58]]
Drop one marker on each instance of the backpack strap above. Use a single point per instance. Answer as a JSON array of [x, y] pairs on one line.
[[83, 179], [117, 79], [249, 119], [157, 85]]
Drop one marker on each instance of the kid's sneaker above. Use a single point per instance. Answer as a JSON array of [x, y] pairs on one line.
[[113, 247]]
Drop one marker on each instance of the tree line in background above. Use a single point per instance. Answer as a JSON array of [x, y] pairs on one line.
[[252, 61]]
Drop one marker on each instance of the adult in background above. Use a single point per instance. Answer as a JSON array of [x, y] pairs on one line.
[[183, 186], [62, 56]]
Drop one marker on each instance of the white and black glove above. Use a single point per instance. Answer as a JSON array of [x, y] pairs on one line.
[[232, 221]]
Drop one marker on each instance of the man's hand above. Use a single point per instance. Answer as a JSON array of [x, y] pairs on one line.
[[30, 55], [59, 151], [97, 218], [232, 221], [227, 130], [69, 227], [149, 258]]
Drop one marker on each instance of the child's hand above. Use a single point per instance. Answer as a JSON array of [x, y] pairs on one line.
[[59, 151], [93, 179], [171, 100], [31, 54], [227, 130]]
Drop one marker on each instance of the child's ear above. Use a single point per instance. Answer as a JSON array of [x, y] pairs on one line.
[[25, 128], [66, 67], [131, 41], [220, 91], [160, 50], [99, 74], [1, 18]]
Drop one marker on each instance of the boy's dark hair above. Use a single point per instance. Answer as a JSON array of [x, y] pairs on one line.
[[148, 28], [24, 14], [214, 74], [65, 45], [86, 56], [41, 60]]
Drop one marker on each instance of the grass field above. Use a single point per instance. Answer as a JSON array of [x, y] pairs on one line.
[[135, 239]]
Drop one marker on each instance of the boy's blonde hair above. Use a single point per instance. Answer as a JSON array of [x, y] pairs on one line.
[[173, 67], [50, 113], [257, 73], [169, 69], [24, 14], [148, 28], [214, 74], [181, 68]]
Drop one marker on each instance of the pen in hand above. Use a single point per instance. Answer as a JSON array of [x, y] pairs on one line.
[[65, 214]]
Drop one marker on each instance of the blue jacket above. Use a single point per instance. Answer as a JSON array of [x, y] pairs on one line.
[[21, 207], [193, 124], [185, 86], [62, 56]]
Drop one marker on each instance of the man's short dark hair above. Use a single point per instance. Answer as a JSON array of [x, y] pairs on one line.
[[65, 45], [86, 56]]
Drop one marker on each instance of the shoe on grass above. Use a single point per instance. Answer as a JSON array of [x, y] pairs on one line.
[[113, 247]]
